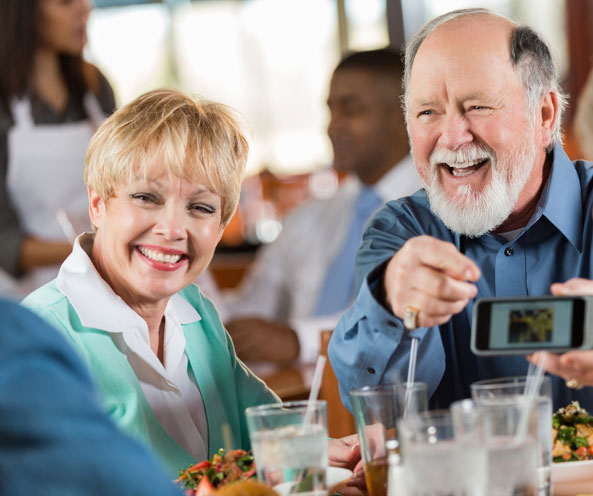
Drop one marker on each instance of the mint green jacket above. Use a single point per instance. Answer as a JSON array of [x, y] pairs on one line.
[[226, 385]]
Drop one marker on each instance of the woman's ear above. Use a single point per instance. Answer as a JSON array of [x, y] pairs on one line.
[[96, 208]]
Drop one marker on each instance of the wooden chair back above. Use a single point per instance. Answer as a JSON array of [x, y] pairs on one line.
[[340, 421]]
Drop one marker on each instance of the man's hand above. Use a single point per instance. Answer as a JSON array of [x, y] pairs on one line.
[[432, 276], [572, 364], [345, 452], [256, 339]]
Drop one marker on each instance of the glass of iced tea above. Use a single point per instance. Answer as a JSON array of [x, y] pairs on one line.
[[376, 410]]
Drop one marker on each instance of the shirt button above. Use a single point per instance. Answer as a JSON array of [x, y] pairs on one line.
[[508, 251], [371, 370]]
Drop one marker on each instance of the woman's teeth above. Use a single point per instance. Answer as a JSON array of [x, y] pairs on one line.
[[159, 256]]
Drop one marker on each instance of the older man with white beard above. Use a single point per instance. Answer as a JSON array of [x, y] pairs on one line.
[[503, 212]]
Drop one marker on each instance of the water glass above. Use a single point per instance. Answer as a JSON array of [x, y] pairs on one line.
[[511, 389], [510, 438], [437, 461], [376, 410], [289, 442]]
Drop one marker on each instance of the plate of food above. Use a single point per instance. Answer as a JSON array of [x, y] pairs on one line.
[[232, 473], [335, 477], [572, 449], [223, 469]]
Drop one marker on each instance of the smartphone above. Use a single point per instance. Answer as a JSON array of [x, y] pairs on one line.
[[520, 326]]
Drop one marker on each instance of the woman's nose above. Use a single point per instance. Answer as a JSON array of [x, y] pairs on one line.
[[172, 223]]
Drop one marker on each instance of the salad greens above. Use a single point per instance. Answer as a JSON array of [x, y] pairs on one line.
[[222, 469], [572, 434]]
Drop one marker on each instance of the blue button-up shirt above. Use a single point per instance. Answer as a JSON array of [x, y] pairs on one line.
[[369, 345]]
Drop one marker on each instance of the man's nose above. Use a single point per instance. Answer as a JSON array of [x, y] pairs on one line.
[[455, 131], [84, 7], [335, 125]]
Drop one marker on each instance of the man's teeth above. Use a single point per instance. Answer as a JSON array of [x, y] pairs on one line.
[[462, 172], [159, 256], [465, 169]]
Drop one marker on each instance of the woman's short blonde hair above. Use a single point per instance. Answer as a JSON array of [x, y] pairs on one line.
[[194, 138]]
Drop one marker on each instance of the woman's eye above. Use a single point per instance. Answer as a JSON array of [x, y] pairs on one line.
[[203, 208], [143, 197]]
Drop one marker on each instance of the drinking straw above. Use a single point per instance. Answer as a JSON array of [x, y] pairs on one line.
[[411, 374], [226, 437], [315, 385], [313, 395], [533, 383]]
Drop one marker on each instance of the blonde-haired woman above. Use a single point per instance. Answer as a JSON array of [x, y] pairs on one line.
[[163, 175]]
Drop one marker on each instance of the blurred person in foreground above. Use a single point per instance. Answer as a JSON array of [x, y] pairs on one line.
[[305, 279], [54, 437], [51, 103], [504, 212], [163, 176]]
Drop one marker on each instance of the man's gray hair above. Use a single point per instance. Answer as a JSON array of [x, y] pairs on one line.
[[529, 54]]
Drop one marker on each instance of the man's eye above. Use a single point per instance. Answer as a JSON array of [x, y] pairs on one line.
[[478, 107], [425, 112]]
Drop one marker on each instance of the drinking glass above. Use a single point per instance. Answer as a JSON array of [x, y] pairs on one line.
[[289, 442], [511, 446], [376, 410], [437, 461], [511, 389]]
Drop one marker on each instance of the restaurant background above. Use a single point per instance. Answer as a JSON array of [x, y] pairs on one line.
[[271, 60]]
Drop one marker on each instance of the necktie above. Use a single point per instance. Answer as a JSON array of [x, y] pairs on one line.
[[337, 291]]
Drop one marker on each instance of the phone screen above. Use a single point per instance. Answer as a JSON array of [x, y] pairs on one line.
[[530, 324]]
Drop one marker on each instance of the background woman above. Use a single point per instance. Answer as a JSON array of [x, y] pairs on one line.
[[51, 102]]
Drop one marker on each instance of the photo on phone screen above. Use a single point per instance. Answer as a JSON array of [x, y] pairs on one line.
[[514, 324]]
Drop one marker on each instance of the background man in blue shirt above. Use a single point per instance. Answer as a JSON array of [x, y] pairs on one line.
[[504, 211]]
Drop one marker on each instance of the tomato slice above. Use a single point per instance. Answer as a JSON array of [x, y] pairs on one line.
[[199, 466], [204, 487]]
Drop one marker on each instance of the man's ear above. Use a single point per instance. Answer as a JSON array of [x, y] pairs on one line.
[[549, 115], [96, 208]]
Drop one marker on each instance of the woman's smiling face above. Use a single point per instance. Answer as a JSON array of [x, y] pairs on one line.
[[155, 235]]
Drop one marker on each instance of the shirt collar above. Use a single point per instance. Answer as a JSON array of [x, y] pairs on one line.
[[97, 305], [404, 172], [563, 194]]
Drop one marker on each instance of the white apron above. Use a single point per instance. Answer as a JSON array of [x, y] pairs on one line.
[[45, 179]]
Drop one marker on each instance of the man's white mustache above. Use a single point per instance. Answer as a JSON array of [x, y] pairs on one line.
[[468, 155]]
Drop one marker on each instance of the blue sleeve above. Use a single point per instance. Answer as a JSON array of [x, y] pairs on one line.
[[54, 437], [369, 345]]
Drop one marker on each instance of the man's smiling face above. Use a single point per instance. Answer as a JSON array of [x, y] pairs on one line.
[[473, 141]]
